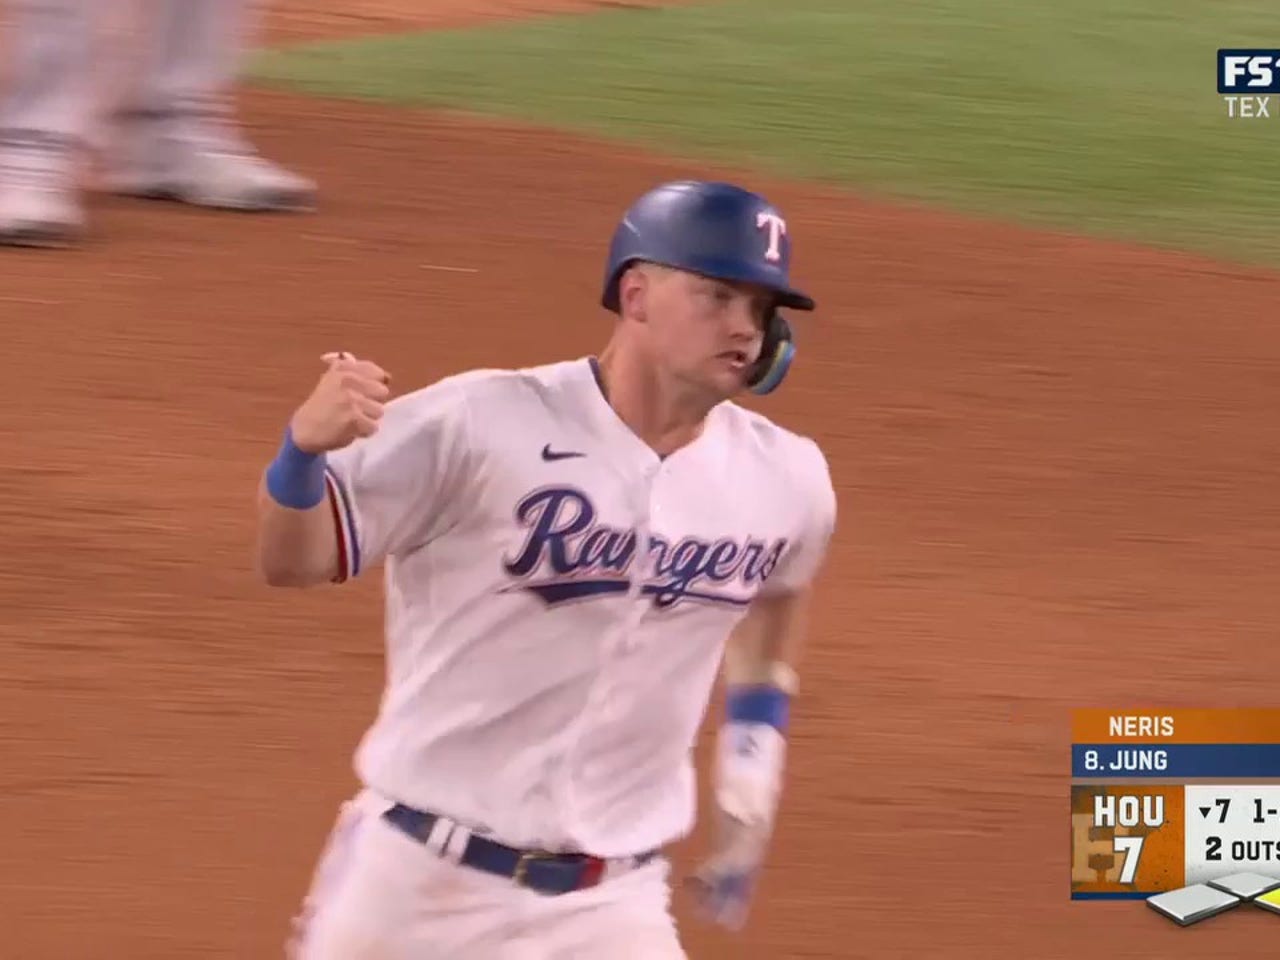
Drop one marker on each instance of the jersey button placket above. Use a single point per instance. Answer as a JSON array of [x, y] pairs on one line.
[[624, 639], [647, 512], [653, 512], [599, 706]]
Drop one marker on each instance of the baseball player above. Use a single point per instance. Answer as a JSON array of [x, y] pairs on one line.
[[570, 553], [175, 140]]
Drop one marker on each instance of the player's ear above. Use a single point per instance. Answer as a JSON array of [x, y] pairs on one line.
[[632, 290]]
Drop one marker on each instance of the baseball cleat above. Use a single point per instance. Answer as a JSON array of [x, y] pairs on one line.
[[219, 179], [37, 209], [39, 233]]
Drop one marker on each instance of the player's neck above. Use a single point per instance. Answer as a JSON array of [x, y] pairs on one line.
[[663, 417]]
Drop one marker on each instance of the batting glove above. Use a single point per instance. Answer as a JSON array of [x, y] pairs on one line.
[[748, 784]]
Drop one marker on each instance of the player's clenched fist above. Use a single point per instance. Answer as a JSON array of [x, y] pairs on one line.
[[346, 404]]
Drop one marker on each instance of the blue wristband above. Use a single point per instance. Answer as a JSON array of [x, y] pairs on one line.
[[759, 704], [295, 478]]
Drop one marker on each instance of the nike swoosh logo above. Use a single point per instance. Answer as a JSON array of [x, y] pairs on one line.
[[549, 454]]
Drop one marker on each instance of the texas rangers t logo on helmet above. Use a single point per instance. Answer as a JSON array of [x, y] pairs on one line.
[[777, 227]]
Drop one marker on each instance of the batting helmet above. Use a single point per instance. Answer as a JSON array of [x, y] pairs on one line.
[[717, 230]]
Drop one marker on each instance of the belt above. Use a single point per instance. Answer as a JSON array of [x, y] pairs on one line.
[[538, 870]]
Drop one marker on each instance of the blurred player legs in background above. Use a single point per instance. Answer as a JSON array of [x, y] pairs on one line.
[[173, 136]]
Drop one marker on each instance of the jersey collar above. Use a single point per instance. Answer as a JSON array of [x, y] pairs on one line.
[[605, 421]]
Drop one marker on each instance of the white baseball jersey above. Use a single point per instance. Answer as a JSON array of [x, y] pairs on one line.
[[558, 597]]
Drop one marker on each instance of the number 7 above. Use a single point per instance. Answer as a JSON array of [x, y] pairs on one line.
[[1131, 847]]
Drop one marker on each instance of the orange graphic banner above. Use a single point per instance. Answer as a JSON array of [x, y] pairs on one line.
[[1188, 725]]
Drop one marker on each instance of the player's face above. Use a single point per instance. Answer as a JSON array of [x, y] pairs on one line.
[[707, 332]]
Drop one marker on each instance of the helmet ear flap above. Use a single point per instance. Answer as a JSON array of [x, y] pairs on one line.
[[777, 352], [612, 297]]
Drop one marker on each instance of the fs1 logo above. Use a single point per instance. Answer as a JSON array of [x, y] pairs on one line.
[[1246, 78]]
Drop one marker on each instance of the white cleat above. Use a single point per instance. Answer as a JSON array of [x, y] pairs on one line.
[[208, 170], [226, 181], [39, 199]]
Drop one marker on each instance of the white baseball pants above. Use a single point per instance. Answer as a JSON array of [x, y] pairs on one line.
[[378, 894]]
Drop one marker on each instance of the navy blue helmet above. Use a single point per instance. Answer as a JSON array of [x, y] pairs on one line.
[[718, 230]]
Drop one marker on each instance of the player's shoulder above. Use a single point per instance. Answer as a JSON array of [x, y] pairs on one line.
[[521, 382], [484, 386], [794, 459], [771, 441]]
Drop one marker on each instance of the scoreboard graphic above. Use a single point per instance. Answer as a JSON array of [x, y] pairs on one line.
[[1178, 808]]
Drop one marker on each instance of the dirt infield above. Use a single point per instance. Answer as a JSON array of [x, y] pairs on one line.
[[287, 21], [1056, 470]]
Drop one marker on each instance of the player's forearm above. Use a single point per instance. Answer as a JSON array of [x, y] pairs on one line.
[[297, 539], [765, 648], [760, 682], [298, 536], [296, 548]]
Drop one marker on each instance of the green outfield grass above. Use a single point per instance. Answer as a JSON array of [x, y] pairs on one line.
[[1099, 115]]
